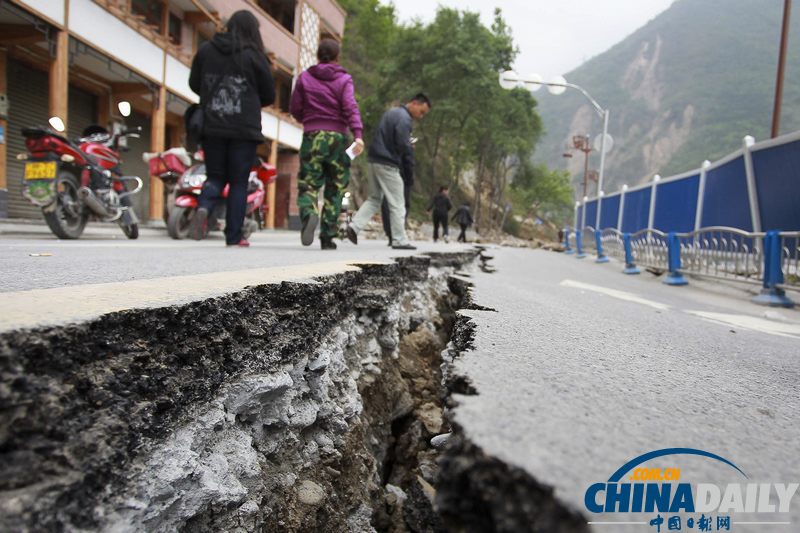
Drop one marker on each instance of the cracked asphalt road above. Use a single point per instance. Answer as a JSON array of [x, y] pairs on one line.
[[48, 281], [582, 368]]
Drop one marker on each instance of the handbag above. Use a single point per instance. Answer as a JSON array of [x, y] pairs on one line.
[[193, 122]]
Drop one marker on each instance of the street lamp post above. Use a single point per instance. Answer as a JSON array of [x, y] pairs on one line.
[[511, 80]]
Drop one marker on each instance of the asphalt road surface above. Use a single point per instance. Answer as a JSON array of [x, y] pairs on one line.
[[48, 281], [582, 369], [579, 370]]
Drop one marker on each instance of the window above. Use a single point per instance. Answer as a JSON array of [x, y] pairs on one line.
[[280, 10], [175, 27], [285, 96], [151, 11], [283, 90]]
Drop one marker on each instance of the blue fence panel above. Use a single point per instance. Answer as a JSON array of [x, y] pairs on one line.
[[591, 213], [636, 212], [676, 205], [725, 201], [609, 212], [777, 171]]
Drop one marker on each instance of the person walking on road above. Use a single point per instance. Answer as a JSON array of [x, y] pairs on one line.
[[392, 142], [407, 173], [234, 80], [441, 206], [324, 101], [463, 217]]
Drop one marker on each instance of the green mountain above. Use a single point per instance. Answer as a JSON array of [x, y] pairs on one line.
[[687, 86]]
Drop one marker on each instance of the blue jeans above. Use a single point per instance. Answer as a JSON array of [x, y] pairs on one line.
[[228, 161]]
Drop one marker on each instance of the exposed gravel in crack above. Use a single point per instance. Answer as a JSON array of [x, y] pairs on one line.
[[243, 412], [292, 407]]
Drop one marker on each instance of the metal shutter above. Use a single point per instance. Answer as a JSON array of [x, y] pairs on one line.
[[82, 111], [28, 91], [28, 102]]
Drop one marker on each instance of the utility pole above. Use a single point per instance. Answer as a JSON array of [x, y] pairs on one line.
[[776, 113], [581, 142]]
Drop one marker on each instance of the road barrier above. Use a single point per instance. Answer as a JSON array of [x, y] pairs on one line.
[[771, 258], [723, 220]]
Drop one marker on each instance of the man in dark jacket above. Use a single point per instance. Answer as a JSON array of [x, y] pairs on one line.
[[463, 217], [441, 205], [391, 143]]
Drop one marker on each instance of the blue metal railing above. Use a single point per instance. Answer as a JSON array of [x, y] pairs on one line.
[[769, 258]]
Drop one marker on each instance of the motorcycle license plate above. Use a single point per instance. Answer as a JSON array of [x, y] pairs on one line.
[[40, 171]]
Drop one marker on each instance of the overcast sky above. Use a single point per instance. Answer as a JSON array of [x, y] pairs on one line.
[[553, 36]]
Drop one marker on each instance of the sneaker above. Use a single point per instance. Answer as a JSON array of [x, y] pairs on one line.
[[326, 243], [199, 229], [446, 239], [250, 226], [309, 227], [403, 247], [244, 243], [352, 235], [390, 242]]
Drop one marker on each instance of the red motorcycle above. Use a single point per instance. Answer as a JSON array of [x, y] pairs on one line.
[[190, 185], [70, 181]]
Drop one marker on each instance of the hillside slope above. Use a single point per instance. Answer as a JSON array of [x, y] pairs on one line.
[[685, 87]]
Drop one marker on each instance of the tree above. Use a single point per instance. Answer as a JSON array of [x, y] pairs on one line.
[[540, 192], [477, 136], [372, 31]]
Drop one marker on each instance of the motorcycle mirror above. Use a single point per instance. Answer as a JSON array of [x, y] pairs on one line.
[[124, 108], [57, 124]]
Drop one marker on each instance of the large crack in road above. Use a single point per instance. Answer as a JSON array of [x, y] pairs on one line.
[[291, 407]]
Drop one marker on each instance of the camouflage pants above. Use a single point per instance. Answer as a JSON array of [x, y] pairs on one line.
[[323, 162]]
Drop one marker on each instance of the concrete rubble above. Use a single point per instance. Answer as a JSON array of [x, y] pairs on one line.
[[318, 406]]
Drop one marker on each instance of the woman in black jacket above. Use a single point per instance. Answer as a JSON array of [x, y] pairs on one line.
[[234, 80]]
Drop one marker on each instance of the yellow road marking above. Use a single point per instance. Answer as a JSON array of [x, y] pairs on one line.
[[61, 305]]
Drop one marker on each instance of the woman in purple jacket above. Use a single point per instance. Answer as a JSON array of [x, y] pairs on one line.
[[324, 101]]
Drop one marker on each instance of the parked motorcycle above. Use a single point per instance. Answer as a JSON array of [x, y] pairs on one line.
[[168, 166], [71, 181], [190, 185]]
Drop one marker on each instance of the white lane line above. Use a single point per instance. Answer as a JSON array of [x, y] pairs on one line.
[[752, 323], [620, 295]]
